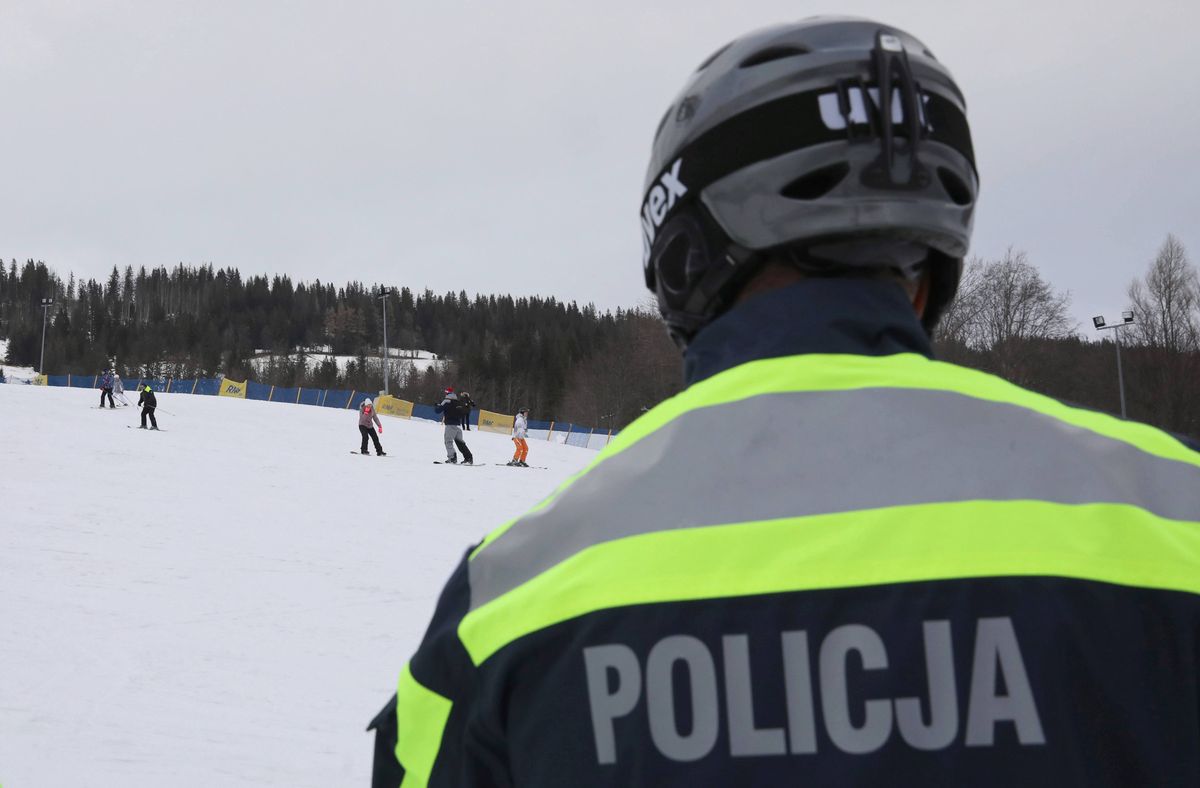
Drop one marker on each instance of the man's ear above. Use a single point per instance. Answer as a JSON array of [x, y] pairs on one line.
[[921, 297]]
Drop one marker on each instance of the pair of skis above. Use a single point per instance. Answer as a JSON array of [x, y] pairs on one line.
[[471, 465], [498, 464]]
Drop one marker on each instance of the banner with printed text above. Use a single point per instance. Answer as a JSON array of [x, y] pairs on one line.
[[391, 406], [231, 388], [40, 380], [495, 422]]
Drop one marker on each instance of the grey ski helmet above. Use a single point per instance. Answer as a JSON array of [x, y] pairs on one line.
[[777, 146]]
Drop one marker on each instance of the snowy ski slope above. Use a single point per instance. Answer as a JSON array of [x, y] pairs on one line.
[[227, 602]]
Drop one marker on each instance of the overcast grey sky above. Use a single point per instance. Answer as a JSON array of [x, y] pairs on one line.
[[500, 147]]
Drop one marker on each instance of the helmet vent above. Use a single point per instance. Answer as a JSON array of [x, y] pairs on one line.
[[959, 192], [772, 54], [817, 183]]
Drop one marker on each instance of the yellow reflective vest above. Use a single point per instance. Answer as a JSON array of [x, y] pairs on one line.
[[834, 569]]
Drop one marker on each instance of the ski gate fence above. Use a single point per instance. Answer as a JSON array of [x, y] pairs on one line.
[[557, 431]]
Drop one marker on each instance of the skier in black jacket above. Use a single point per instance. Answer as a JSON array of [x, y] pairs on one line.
[[148, 403]]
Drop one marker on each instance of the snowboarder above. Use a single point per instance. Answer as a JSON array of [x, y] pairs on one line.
[[148, 403], [456, 411], [366, 415], [106, 389], [520, 427]]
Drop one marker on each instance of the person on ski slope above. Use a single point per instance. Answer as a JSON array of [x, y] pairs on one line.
[[119, 389], [148, 403], [465, 405], [106, 389], [520, 427], [367, 415], [455, 410], [923, 575]]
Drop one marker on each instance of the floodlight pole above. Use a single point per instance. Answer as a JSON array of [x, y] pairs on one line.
[[386, 366], [1120, 374], [1126, 319], [46, 304]]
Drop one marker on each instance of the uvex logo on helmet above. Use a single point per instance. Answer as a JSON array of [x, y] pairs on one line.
[[659, 201]]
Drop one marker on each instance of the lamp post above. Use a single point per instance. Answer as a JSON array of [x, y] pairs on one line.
[[46, 304], [384, 292], [1126, 319]]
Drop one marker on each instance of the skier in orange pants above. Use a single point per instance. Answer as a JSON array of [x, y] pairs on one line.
[[520, 426]]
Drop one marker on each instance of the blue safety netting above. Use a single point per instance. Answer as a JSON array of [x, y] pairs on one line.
[[284, 395], [311, 396], [430, 412], [259, 391], [336, 398], [571, 434], [425, 412]]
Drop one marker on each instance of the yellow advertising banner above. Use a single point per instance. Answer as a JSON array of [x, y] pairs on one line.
[[231, 388], [40, 380], [390, 406], [495, 422]]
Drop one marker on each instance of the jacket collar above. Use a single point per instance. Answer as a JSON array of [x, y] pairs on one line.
[[851, 316]]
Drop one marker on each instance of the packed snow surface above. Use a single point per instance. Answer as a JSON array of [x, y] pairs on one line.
[[229, 601]]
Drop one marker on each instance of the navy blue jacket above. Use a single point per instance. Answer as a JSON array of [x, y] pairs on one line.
[[455, 412], [989, 679]]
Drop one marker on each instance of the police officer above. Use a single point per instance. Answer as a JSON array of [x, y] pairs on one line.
[[921, 575]]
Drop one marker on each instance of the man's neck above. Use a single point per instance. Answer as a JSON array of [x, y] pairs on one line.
[[854, 316]]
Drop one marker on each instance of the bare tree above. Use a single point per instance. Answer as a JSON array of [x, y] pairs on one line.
[[957, 324], [1165, 370], [1016, 303], [1167, 305], [1003, 308], [1003, 300]]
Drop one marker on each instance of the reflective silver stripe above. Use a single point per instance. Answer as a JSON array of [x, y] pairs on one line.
[[804, 453]]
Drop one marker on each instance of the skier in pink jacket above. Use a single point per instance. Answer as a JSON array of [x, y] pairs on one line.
[[366, 415]]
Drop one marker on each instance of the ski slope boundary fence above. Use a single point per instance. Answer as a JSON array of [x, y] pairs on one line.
[[558, 431]]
